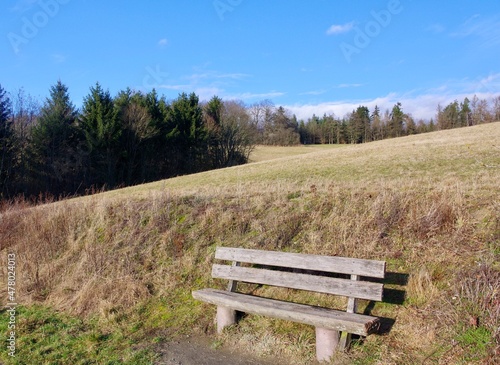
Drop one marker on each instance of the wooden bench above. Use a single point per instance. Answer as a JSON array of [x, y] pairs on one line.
[[298, 271]]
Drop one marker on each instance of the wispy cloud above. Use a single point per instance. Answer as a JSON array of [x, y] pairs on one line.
[[204, 82], [344, 86], [204, 93], [340, 28], [215, 75], [177, 87], [163, 42], [487, 29], [436, 28]]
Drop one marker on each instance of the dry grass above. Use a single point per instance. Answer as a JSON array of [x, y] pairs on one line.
[[266, 153], [427, 204]]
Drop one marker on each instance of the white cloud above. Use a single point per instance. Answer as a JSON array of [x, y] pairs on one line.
[[163, 42], [340, 28], [314, 92], [422, 106], [255, 96], [338, 108]]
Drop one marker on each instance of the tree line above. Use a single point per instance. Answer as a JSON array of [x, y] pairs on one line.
[[114, 141], [136, 137], [363, 125]]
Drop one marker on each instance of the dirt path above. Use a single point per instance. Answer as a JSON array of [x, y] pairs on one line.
[[198, 351]]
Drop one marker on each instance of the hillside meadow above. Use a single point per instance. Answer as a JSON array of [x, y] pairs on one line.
[[105, 279]]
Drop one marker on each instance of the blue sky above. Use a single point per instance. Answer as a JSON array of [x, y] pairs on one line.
[[320, 56]]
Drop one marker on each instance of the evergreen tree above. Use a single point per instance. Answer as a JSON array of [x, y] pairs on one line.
[[396, 121], [54, 142], [155, 159], [102, 133], [465, 113], [213, 112], [377, 125], [5, 141], [450, 116], [138, 129], [360, 125], [186, 134]]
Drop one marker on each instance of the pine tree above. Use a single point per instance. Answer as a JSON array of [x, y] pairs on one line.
[[186, 134], [360, 125], [155, 159], [465, 113], [102, 133], [54, 143], [5, 141], [377, 125], [138, 130], [396, 121]]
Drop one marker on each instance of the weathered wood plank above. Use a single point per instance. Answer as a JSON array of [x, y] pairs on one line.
[[233, 284], [321, 284], [315, 316], [352, 307], [333, 264]]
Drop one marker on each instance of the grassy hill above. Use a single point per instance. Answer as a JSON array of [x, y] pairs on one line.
[[111, 275]]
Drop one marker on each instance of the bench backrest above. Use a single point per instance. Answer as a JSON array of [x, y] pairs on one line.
[[319, 282]]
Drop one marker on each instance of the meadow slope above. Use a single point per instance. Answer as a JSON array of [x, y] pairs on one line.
[[127, 260]]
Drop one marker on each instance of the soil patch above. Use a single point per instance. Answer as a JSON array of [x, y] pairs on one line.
[[199, 351]]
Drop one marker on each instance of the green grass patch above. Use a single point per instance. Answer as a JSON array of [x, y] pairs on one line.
[[45, 336], [477, 341]]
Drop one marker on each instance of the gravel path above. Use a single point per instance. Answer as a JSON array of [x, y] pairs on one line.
[[198, 351]]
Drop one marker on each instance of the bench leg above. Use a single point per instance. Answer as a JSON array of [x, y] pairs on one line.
[[345, 341], [326, 343], [225, 317]]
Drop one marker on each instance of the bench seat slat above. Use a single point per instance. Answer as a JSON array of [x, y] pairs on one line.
[[320, 284], [333, 264], [317, 316]]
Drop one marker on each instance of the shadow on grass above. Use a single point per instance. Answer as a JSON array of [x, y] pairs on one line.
[[395, 294]]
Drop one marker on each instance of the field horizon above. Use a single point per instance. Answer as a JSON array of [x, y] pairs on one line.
[[123, 263]]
